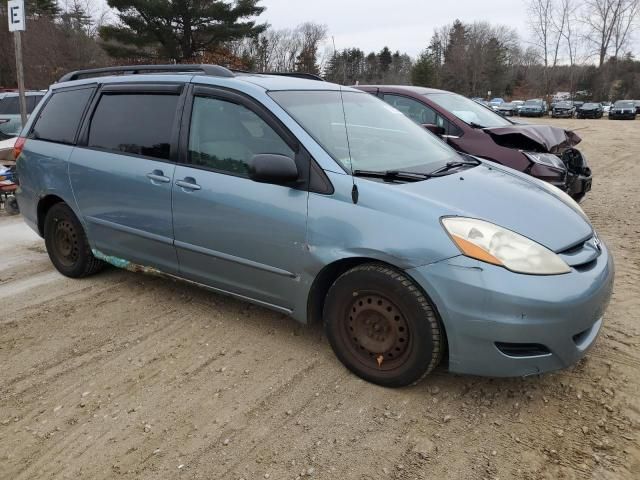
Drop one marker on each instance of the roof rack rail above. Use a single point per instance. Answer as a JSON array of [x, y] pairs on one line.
[[213, 70], [306, 76]]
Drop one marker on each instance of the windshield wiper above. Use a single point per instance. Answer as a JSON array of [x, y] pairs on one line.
[[393, 175], [476, 125], [452, 165]]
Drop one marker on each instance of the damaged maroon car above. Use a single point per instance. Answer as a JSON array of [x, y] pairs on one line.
[[543, 151]]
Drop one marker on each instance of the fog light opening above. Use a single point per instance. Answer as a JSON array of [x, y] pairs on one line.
[[519, 350]]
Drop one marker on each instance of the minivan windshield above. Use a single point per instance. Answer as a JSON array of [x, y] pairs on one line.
[[362, 132], [468, 111]]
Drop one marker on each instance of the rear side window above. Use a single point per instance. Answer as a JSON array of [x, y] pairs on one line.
[[59, 119], [9, 106], [134, 123]]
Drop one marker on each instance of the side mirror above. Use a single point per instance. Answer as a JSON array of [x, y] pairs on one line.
[[435, 129], [273, 168]]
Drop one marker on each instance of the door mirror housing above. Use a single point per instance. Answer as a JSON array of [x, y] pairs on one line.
[[273, 168], [435, 129]]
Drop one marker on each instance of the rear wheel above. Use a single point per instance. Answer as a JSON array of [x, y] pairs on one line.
[[67, 244], [382, 327]]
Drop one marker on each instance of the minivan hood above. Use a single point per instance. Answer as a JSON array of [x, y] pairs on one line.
[[534, 137], [506, 198]]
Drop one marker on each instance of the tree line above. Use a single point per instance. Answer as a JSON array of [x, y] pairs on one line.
[[573, 45]]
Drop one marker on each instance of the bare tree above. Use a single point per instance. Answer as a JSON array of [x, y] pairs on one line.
[[610, 23], [568, 31], [547, 31], [284, 50], [624, 27]]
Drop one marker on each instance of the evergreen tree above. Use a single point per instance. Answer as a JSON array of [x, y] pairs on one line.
[[455, 61], [384, 58], [179, 29], [42, 8], [422, 73]]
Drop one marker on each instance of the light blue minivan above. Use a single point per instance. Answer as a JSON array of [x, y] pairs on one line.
[[321, 202]]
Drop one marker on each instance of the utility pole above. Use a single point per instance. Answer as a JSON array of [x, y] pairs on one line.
[[15, 10]]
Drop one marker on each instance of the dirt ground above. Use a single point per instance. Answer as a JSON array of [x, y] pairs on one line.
[[130, 376]]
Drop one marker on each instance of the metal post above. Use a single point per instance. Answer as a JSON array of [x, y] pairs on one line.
[[17, 40]]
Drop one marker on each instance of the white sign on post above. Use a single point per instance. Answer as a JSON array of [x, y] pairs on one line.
[[15, 10]]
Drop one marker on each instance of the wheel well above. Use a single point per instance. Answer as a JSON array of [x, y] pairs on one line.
[[323, 282], [330, 273], [44, 205]]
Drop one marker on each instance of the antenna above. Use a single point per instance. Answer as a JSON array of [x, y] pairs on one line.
[[354, 188]]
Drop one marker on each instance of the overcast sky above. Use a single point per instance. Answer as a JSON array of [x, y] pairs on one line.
[[405, 25]]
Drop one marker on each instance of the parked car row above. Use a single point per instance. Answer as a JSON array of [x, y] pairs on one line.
[[330, 204], [563, 108]]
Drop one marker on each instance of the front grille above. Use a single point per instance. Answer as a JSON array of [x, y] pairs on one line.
[[583, 255], [519, 350]]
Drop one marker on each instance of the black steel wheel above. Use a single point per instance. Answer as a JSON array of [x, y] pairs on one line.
[[67, 244], [382, 327]]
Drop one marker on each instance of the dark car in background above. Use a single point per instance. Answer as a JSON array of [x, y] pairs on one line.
[[534, 108], [542, 151], [590, 110], [564, 109], [508, 109], [637, 104], [623, 110]]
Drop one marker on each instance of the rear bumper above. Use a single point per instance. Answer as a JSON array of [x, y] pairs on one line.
[[482, 305]]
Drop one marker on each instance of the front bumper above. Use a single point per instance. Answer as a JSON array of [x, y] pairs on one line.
[[482, 305], [622, 116], [577, 185], [531, 113], [562, 114], [589, 114]]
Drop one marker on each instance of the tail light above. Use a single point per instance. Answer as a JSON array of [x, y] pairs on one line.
[[18, 147]]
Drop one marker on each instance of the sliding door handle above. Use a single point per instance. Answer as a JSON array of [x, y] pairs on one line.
[[188, 183]]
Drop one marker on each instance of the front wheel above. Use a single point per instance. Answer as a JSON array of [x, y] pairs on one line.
[[382, 327], [67, 244]]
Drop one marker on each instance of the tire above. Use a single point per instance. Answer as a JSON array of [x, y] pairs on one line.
[[382, 327], [67, 243]]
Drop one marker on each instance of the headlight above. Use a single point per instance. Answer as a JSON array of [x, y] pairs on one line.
[[546, 159], [490, 243]]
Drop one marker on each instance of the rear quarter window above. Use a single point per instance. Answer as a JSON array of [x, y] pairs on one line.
[[60, 117]]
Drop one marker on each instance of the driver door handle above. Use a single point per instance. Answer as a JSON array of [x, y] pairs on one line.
[[188, 183]]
